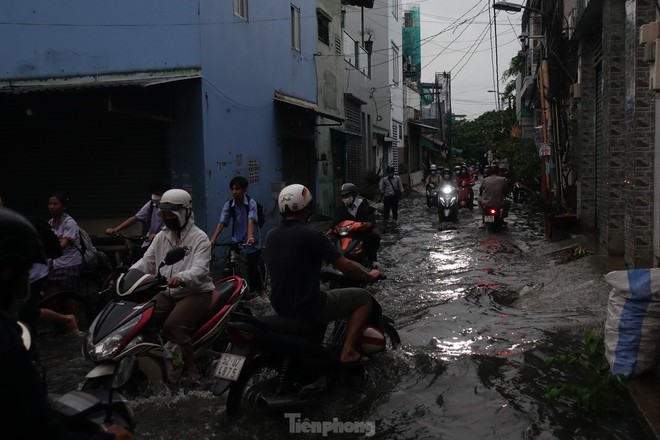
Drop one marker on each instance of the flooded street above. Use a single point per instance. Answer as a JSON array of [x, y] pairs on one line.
[[470, 363]]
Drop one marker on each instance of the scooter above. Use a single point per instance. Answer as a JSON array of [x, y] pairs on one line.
[[346, 238], [92, 411], [447, 203], [278, 364], [465, 193], [124, 328], [493, 218], [431, 195]]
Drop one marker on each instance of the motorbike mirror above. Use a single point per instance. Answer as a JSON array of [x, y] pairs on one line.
[[26, 335], [123, 372], [174, 256]]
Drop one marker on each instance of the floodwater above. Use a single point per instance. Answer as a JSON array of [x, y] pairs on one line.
[[469, 366]]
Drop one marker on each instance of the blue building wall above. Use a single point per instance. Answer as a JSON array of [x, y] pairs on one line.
[[243, 64], [83, 37], [223, 120]]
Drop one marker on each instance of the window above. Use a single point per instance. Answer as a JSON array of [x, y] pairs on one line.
[[241, 8], [323, 21], [295, 28], [395, 9], [396, 64]]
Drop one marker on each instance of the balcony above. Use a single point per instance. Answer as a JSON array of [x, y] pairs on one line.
[[356, 55]]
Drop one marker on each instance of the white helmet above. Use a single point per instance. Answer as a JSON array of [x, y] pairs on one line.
[[434, 167], [175, 199], [293, 198], [179, 202]]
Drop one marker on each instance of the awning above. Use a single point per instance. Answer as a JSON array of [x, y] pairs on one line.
[[379, 131], [306, 105], [423, 125], [141, 79]]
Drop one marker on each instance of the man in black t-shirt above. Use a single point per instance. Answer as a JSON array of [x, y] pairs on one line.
[[295, 255]]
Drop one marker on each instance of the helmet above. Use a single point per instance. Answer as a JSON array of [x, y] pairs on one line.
[[175, 199], [434, 167], [446, 173], [294, 198], [348, 188], [19, 241], [179, 202]]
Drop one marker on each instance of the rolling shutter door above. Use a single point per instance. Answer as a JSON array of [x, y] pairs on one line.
[[69, 142]]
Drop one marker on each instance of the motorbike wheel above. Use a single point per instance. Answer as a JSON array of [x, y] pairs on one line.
[[68, 303], [258, 378], [429, 204], [392, 339]]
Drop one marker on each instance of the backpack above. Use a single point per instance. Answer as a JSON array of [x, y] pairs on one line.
[[89, 253], [261, 218]]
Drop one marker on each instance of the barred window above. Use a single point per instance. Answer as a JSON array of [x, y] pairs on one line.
[[323, 20]]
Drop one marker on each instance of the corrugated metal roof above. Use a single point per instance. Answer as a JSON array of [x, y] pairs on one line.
[[141, 79]]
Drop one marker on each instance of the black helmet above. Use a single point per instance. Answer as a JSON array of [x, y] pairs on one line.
[[348, 188], [19, 241]]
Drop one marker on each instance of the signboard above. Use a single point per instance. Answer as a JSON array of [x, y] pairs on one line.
[[544, 150]]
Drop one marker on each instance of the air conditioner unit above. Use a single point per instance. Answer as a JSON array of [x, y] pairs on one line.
[[649, 52], [649, 32]]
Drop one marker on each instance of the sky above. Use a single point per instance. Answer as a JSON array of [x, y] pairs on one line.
[[458, 37]]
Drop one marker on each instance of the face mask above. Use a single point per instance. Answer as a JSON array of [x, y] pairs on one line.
[[390, 174], [172, 223], [347, 200], [434, 172]]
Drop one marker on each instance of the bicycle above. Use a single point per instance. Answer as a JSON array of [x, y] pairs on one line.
[[233, 261]]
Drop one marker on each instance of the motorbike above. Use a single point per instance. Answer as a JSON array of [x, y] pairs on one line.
[[124, 328], [493, 218], [92, 411], [278, 364], [431, 195], [447, 203], [521, 193], [465, 193], [347, 239]]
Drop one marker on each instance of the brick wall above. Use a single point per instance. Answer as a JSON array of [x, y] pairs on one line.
[[639, 160], [611, 157]]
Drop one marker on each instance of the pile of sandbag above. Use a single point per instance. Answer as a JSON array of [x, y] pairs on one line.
[[632, 327]]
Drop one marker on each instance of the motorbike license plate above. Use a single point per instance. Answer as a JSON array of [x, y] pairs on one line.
[[229, 366], [489, 219]]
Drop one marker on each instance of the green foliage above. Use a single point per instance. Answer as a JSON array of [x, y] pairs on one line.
[[596, 384]]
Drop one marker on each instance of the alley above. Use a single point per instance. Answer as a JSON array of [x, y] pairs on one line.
[[470, 365]]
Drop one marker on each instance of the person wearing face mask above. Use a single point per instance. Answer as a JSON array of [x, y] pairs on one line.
[[354, 207], [147, 215], [433, 178], [185, 302]]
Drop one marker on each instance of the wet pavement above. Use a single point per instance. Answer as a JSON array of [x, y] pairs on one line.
[[477, 312]]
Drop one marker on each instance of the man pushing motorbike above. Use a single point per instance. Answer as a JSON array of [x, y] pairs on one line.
[[295, 255], [356, 208]]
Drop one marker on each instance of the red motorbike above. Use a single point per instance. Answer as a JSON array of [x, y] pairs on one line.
[[465, 192], [124, 328], [346, 237]]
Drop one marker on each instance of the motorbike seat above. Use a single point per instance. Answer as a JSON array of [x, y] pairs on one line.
[[220, 296]]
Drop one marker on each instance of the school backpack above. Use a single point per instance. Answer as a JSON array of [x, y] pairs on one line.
[[89, 253], [261, 218]]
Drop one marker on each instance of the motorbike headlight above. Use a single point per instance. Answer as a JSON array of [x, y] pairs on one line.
[[106, 347], [453, 199], [447, 189]]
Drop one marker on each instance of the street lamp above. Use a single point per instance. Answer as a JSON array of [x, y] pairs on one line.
[[508, 7], [502, 96]]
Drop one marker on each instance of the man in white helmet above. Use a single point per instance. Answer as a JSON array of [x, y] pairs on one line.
[[295, 255], [185, 302]]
